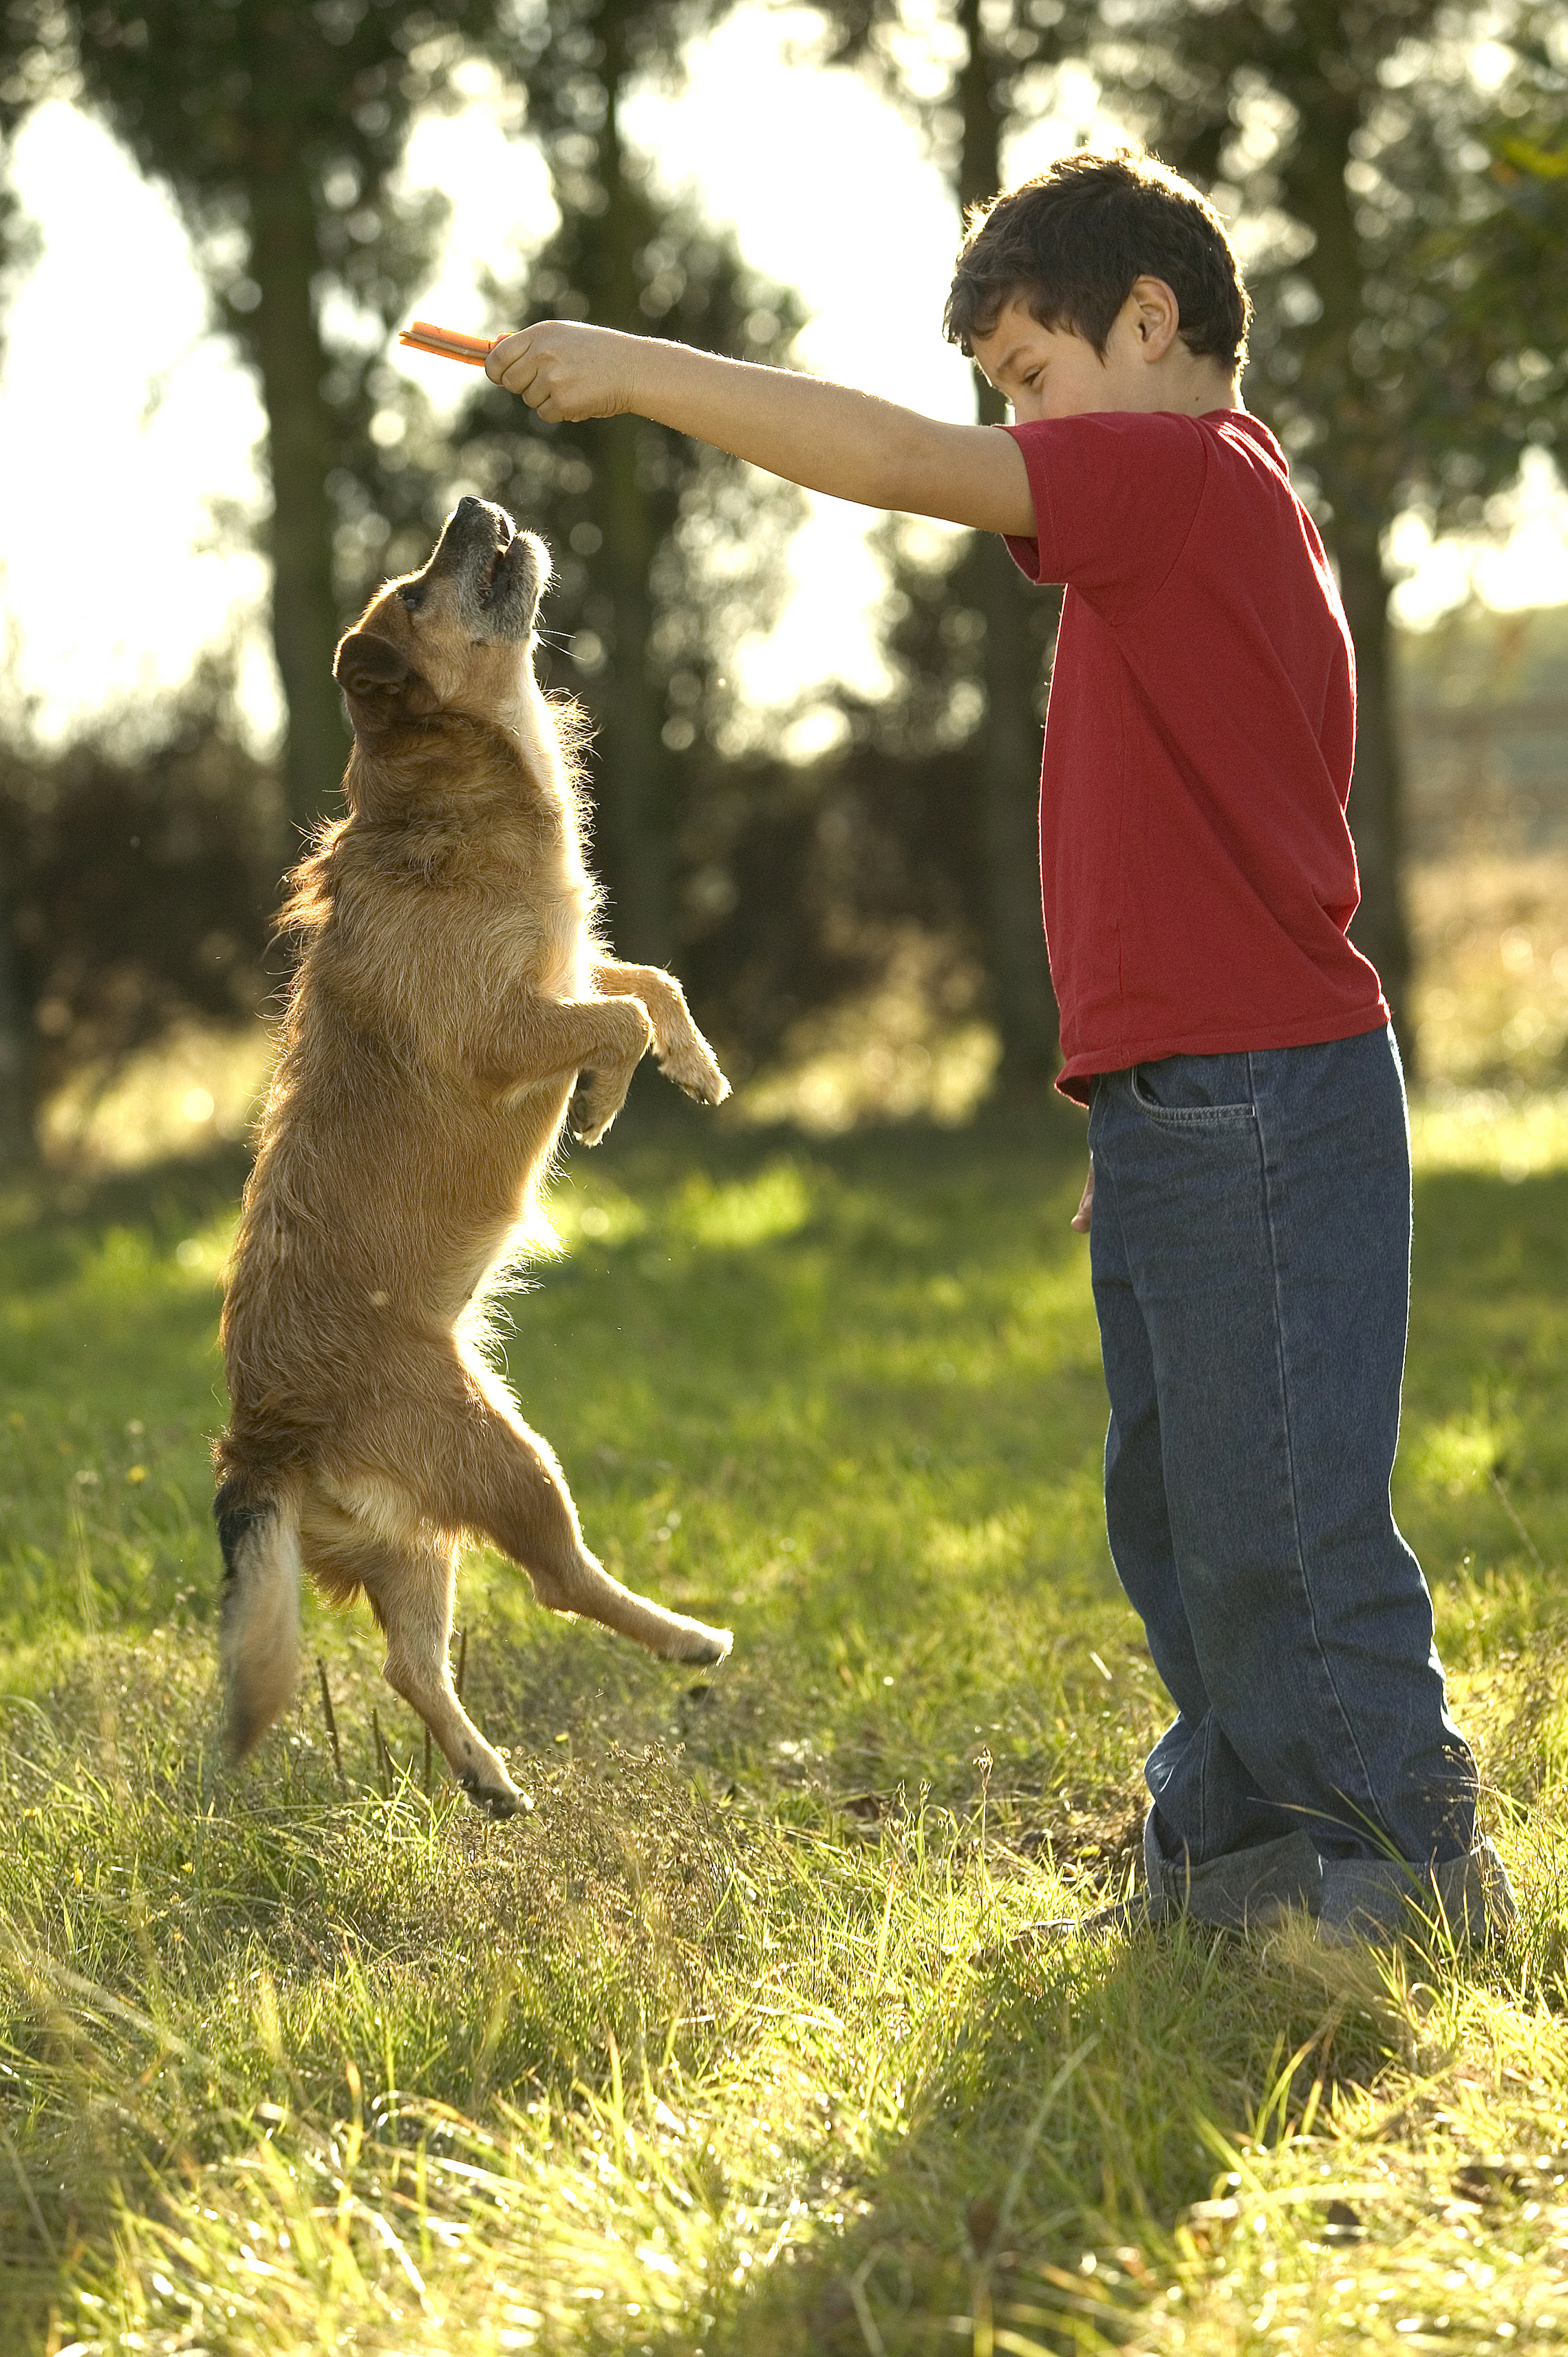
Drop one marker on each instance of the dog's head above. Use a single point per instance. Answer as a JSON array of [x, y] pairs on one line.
[[456, 637]]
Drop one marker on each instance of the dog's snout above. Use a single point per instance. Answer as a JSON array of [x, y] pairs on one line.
[[497, 570], [482, 518]]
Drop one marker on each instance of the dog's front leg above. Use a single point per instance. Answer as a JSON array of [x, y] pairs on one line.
[[598, 1042], [682, 1053]]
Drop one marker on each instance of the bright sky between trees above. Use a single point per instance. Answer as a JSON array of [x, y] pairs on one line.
[[131, 473]]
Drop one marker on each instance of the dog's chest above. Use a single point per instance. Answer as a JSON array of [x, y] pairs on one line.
[[566, 944]]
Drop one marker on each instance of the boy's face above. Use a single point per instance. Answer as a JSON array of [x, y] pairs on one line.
[[1043, 371], [1057, 372]]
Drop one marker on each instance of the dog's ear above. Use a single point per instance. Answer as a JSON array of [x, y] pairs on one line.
[[380, 684]]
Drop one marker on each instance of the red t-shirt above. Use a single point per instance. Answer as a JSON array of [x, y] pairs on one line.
[[1197, 873]]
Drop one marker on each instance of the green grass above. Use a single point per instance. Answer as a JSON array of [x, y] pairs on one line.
[[694, 2057]]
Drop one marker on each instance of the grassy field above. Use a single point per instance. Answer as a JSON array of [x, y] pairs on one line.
[[694, 2057]]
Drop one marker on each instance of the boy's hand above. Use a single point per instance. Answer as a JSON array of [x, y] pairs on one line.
[[566, 371], [1080, 1217]]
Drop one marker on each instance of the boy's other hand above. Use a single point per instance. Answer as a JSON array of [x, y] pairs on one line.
[[565, 370], [1085, 1203]]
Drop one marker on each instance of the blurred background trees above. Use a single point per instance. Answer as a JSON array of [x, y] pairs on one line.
[[993, 633], [136, 861], [1399, 176], [666, 552], [279, 129]]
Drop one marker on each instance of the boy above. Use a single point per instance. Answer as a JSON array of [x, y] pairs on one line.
[[1249, 1160]]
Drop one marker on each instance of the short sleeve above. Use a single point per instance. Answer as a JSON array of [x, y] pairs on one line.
[[1115, 494]]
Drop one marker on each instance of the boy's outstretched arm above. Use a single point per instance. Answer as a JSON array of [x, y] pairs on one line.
[[824, 436]]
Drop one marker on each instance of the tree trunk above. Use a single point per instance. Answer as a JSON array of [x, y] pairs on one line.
[[284, 341], [635, 820], [18, 1144], [633, 788], [1009, 748], [1009, 763], [1358, 472], [1380, 929]]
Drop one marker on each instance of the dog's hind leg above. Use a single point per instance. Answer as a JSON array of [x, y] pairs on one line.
[[409, 1575], [497, 1477]]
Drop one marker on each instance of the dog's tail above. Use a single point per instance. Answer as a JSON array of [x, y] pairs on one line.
[[259, 1534]]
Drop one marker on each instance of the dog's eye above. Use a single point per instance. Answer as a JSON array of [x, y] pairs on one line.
[[412, 597]]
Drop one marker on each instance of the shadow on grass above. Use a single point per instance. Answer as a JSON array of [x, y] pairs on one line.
[[1067, 2112]]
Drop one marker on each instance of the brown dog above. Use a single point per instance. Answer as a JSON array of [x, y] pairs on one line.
[[454, 1005]]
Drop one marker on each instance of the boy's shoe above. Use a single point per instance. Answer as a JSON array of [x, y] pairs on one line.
[[1469, 1900], [1246, 1890], [1352, 1900], [1143, 1912]]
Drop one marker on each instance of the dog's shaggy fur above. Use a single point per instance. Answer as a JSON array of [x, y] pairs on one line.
[[454, 1005]]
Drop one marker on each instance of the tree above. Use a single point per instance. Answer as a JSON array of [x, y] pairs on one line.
[[17, 1060], [667, 555], [969, 90], [1410, 331], [277, 126], [135, 867]]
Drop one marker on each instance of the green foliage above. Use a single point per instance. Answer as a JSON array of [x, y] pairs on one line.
[[223, 102], [1402, 308], [666, 555], [135, 880], [279, 130], [967, 77], [712, 535], [1507, 295], [204, 96], [969, 642], [694, 2056]]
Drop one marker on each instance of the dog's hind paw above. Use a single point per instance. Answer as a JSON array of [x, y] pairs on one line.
[[496, 1800], [695, 1642]]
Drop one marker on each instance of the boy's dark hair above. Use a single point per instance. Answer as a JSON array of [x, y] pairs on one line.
[[1070, 243]]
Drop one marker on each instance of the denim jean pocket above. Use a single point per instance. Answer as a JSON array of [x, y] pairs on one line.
[[1192, 1090]]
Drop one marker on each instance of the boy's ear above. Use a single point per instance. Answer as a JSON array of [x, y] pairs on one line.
[[382, 685]]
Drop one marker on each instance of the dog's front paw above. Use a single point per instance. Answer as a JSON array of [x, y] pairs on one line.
[[596, 1100], [693, 1066]]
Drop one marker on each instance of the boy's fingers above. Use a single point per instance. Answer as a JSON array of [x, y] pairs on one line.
[[504, 352], [562, 369], [522, 364], [517, 366], [1081, 1217]]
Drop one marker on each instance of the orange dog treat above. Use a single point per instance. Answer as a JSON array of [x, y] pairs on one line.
[[449, 343]]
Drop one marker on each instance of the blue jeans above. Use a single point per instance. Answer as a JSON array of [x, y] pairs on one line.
[[1251, 1253]]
